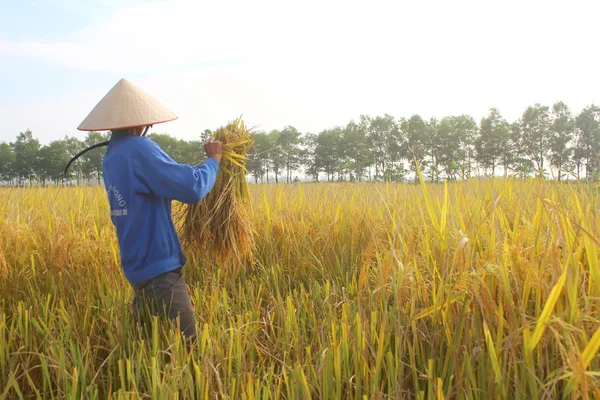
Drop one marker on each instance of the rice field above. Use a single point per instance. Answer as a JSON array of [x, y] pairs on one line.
[[481, 289]]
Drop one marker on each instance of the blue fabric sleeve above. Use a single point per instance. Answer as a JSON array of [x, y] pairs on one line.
[[159, 174]]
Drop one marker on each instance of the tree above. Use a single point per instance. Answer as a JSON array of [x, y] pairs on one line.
[[44, 164], [415, 130], [445, 146], [561, 137], [184, 152], [7, 162], [578, 158], [443, 149], [289, 143], [452, 135], [381, 132], [327, 152], [434, 148], [25, 149], [205, 135], [309, 156], [510, 137], [52, 161], [465, 131], [73, 147], [493, 134], [521, 164], [92, 160], [170, 145], [277, 157], [535, 132], [192, 152], [258, 162], [587, 148], [355, 151]]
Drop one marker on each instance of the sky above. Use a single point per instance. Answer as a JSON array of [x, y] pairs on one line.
[[312, 64]]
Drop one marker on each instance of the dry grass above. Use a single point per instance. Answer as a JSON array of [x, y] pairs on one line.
[[484, 289]]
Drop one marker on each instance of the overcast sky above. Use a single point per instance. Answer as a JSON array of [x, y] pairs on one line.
[[310, 64]]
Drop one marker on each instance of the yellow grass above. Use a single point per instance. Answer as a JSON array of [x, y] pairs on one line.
[[484, 289]]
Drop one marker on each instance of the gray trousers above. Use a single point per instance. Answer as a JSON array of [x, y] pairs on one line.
[[166, 294]]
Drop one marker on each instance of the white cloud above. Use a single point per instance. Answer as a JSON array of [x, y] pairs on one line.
[[314, 64], [138, 38]]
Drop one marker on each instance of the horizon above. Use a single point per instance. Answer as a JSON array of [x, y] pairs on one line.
[[314, 66]]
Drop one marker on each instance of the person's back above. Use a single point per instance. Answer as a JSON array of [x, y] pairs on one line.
[[147, 238], [141, 181]]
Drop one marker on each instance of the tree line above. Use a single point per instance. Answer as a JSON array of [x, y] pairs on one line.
[[549, 142]]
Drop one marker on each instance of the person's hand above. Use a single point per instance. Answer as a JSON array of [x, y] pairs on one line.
[[214, 149]]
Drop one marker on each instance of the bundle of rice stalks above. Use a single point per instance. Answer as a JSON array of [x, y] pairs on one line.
[[219, 226]]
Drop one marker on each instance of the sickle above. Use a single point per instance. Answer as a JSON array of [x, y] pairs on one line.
[[95, 147], [85, 151]]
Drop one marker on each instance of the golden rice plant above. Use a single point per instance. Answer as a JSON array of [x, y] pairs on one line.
[[465, 290], [219, 226]]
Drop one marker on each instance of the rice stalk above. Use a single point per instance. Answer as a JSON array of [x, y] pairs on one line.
[[219, 226]]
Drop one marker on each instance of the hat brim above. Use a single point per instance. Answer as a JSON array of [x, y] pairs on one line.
[[126, 106], [124, 127]]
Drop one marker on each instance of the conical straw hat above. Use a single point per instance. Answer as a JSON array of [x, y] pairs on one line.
[[126, 106]]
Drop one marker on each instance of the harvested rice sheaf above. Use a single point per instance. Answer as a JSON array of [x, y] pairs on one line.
[[219, 226]]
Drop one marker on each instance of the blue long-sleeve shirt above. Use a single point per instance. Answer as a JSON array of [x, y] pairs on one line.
[[141, 181]]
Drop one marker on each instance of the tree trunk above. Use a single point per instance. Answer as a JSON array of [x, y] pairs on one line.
[[469, 165]]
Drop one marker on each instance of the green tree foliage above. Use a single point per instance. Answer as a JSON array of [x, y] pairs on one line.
[[454, 137], [170, 145], [25, 149], [7, 163], [587, 149], [277, 157], [433, 148], [521, 164], [327, 152], [308, 154], [92, 160], [561, 137], [52, 161], [465, 131], [355, 152], [289, 142], [73, 147], [544, 139], [535, 135], [258, 165], [381, 132], [185, 152], [415, 130], [494, 133]]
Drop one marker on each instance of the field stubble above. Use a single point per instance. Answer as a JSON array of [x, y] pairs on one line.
[[482, 289]]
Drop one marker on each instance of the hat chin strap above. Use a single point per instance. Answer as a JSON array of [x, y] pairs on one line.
[[146, 130]]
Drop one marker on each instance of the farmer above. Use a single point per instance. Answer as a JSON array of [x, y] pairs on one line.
[[141, 181]]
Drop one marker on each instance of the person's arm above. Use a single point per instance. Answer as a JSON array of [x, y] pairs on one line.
[[160, 175]]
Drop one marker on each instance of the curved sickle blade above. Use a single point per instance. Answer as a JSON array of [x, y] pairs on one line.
[[83, 152]]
